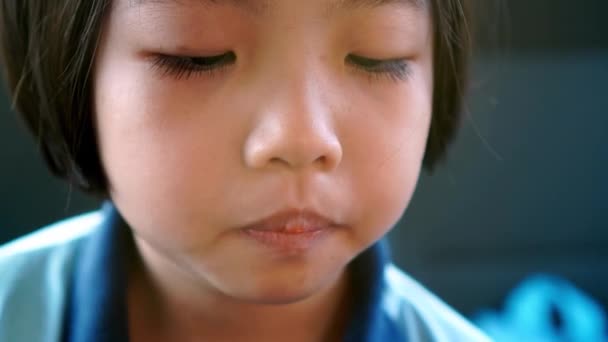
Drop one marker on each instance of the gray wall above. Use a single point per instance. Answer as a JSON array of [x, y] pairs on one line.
[[525, 187]]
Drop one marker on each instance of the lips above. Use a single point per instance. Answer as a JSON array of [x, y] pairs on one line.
[[292, 222], [290, 230]]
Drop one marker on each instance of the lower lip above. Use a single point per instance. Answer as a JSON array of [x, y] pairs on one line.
[[289, 243]]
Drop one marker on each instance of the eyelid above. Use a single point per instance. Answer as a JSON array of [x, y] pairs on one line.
[[183, 67], [395, 69]]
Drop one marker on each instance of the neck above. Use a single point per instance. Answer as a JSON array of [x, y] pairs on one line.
[[163, 310]]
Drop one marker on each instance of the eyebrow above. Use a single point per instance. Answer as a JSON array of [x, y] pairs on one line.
[[261, 6]]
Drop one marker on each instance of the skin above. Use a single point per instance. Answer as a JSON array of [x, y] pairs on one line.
[[191, 158]]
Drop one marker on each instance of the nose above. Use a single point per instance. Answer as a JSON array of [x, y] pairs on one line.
[[293, 130]]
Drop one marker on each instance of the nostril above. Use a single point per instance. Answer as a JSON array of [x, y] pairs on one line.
[[277, 160], [322, 160]]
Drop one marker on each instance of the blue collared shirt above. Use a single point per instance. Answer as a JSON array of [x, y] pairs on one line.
[[68, 283]]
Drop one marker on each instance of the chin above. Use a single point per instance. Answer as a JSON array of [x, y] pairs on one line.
[[277, 294], [282, 282], [281, 290]]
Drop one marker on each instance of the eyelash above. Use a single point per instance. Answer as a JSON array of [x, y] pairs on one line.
[[397, 69], [184, 67]]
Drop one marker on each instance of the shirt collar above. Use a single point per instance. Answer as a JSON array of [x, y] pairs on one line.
[[369, 321], [97, 310]]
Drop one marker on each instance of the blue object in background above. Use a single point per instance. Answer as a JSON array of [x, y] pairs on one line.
[[546, 308]]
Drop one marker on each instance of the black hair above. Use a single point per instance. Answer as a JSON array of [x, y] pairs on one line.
[[48, 52]]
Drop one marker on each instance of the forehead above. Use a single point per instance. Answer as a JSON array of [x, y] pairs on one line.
[[262, 6]]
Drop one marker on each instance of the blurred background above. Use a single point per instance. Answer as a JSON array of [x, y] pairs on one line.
[[523, 191]]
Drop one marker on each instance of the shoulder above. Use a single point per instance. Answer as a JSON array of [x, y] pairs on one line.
[[42, 249], [35, 273], [422, 314]]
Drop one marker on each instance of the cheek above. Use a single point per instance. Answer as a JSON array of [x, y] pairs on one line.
[[387, 157], [160, 151]]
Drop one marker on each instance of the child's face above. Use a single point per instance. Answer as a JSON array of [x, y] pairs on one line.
[[293, 113]]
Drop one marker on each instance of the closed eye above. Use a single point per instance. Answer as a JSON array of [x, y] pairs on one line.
[[182, 67], [396, 69]]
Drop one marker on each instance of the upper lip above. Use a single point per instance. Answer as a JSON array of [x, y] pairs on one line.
[[292, 221]]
